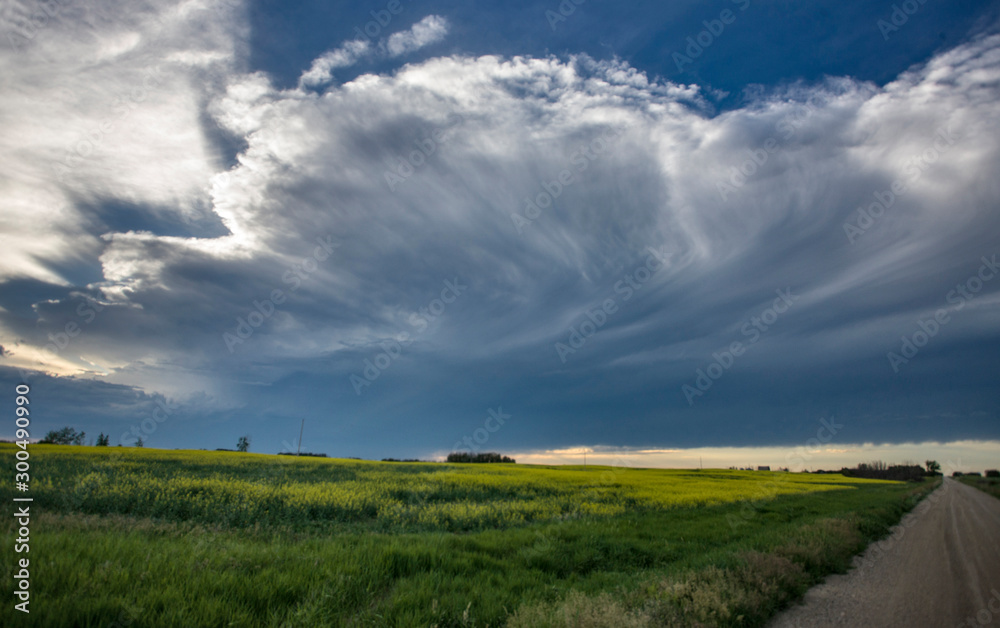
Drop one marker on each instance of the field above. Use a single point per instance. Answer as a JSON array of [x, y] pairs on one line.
[[140, 537], [986, 485]]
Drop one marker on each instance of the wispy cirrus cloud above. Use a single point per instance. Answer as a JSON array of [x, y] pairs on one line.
[[176, 247]]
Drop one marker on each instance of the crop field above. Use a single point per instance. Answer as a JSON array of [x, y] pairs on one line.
[[990, 486], [141, 537]]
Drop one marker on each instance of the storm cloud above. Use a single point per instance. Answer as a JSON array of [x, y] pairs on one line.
[[610, 257]]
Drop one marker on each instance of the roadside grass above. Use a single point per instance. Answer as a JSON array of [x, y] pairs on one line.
[[743, 585], [718, 563], [990, 486]]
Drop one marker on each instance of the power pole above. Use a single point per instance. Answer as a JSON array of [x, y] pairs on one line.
[[303, 427], [584, 460]]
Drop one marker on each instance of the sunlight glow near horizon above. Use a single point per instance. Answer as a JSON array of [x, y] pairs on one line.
[[965, 456]]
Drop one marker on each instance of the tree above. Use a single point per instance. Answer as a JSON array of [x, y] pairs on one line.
[[65, 436], [933, 468], [243, 444], [103, 440], [139, 443], [489, 456]]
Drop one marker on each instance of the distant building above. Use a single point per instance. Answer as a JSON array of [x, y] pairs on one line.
[[764, 468]]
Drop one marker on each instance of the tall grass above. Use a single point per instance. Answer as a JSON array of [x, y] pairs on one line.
[[158, 538], [238, 490]]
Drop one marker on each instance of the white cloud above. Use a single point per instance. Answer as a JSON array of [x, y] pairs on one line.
[[501, 131], [427, 31], [347, 55], [97, 111]]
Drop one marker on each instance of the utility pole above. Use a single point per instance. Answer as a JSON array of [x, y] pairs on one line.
[[584, 460], [700, 465], [299, 452]]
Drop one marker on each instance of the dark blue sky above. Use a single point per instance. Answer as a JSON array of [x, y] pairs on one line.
[[769, 43], [237, 216]]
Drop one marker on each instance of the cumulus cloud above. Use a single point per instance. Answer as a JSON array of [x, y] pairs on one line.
[[429, 30], [539, 185], [347, 55]]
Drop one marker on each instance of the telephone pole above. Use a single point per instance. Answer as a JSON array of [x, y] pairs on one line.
[[303, 427]]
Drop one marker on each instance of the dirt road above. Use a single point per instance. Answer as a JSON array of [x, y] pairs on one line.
[[939, 569]]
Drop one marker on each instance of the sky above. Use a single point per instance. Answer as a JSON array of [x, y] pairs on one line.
[[721, 233]]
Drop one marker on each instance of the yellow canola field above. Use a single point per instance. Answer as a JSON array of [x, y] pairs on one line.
[[236, 489]]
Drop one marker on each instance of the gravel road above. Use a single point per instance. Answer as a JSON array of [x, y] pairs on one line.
[[940, 568]]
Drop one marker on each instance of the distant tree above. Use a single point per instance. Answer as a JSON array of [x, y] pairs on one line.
[[103, 440], [139, 442], [992, 473], [65, 436], [879, 470], [243, 444], [489, 456], [933, 468]]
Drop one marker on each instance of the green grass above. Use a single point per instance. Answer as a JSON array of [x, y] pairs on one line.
[[156, 538], [990, 486]]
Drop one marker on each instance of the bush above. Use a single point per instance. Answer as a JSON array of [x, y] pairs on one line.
[[65, 436], [992, 473], [487, 456]]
